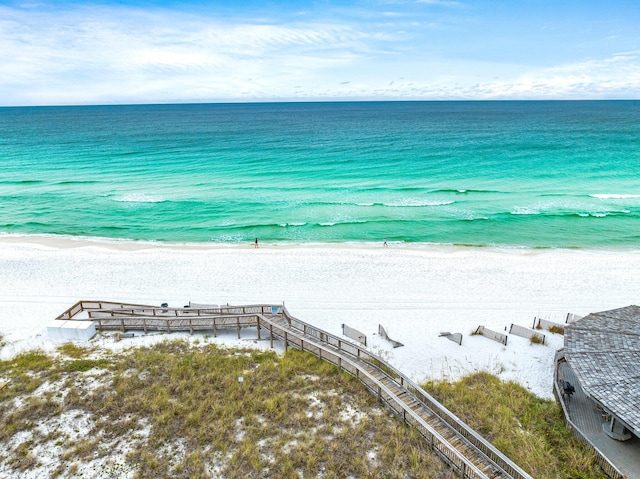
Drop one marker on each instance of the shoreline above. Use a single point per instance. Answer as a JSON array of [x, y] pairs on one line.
[[76, 242]]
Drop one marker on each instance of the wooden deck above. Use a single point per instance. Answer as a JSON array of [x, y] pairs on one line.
[[457, 444], [586, 417]]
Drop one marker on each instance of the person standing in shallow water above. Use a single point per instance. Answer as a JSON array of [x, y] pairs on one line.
[[256, 243]]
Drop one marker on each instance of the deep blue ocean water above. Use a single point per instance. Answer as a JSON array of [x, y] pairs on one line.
[[532, 174]]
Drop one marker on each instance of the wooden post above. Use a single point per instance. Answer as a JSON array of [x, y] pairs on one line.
[[168, 330], [238, 320], [122, 321], [190, 327], [144, 323], [215, 332], [258, 324], [286, 341], [271, 336]]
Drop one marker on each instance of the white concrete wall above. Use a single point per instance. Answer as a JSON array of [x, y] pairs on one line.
[[71, 330]]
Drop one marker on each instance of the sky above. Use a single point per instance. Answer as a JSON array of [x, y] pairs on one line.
[[114, 52]]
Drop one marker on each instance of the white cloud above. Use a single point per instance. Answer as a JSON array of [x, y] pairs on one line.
[[121, 55], [615, 77]]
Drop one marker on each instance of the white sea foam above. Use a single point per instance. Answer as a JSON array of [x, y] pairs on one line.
[[471, 216], [525, 210], [608, 196], [342, 222], [138, 198], [603, 214], [417, 202], [284, 225]]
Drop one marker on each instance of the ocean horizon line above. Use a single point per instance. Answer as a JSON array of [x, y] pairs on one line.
[[328, 101]]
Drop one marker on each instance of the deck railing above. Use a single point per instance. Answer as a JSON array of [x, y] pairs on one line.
[[607, 466]]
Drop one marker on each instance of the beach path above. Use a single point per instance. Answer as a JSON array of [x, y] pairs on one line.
[[456, 443]]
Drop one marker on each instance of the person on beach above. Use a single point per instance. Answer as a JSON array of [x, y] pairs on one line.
[[385, 242], [256, 243]]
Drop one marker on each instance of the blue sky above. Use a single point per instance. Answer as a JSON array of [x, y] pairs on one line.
[[79, 52]]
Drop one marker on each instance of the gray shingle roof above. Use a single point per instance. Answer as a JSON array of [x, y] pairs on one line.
[[604, 351]]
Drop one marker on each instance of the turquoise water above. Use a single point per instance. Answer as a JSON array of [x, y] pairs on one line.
[[534, 174]]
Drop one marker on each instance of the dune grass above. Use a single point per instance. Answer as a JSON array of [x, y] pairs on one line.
[[536, 339], [556, 329], [179, 410], [529, 430]]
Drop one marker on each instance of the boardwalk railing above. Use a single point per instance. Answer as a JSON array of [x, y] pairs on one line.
[[328, 353], [604, 463], [404, 381], [376, 374], [113, 308], [122, 317]]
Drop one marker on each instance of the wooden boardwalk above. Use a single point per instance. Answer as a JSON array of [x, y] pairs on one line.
[[470, 455], [584, 415]]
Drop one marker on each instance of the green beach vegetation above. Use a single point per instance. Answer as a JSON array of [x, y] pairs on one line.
[[556, 329], [180, 409], [528, 429], [177, 409]]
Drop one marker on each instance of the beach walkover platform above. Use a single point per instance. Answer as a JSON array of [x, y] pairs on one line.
[[468, 453], [619, 459], [600, 362]]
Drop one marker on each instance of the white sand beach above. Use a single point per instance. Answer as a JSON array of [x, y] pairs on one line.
[[414, 292]]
